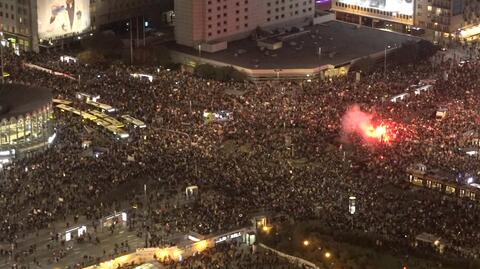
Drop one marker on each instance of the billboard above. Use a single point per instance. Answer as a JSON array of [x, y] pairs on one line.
[[57, 18], [404, 7]]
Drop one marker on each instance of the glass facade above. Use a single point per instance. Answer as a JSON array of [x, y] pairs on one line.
[[25, 133]]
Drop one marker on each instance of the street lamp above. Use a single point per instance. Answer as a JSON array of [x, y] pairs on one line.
[[385, 62], [328, 255], [306, 243], [145, 214], [3, 43]]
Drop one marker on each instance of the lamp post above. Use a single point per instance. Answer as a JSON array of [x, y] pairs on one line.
[[385, 62], [131, 41], [2, 43], [145, 212]]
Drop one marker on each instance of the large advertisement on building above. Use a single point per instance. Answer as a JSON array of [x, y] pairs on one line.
[[57, 18], [404, 7]]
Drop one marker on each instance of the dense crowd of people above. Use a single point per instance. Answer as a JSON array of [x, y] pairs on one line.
[[282, 152], [234, 256]]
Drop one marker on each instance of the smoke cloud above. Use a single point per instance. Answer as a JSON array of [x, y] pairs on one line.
[[355, 121]]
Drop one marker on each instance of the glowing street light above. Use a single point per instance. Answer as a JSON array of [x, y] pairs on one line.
[[306, 243], [328, 255]]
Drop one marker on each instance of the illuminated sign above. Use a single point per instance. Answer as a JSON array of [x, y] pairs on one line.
[[193, 238], [57, 18], [227, 237], [351, 204], [404, 7]]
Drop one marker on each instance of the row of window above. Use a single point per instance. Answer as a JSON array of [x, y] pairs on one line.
[[281, 16], [210, 34], [7, 16], [226, 22], [283, 2], [225, 7], [11, 29], [296, 11], [5, 6], [219, 1]]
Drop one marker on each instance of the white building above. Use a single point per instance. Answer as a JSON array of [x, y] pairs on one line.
[[210, 24]]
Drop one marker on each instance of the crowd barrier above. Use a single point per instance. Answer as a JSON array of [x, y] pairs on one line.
[[291, 258], [179, 252], [33, 66]]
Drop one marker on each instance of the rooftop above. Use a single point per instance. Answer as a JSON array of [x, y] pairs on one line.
[[16, 99], [339, 42]]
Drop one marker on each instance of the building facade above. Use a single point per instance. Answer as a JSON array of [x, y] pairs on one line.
[[436, 20], [205, 22], [378, 14], [17, 22], [105, 12], [448, 19], [29, 24], [26, 120]]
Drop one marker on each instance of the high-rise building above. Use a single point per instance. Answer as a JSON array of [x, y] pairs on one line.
[[210, 24], [437, 20], [448, 19], [17, 22]]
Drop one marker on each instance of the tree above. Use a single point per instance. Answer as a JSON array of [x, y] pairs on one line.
[[225, 73], [105, 43], [205, 71], [426, 49], [412, 52], [152, 55], [91, 57], [365, 65]]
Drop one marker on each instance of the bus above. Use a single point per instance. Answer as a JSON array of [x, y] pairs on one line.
[[82, 114], [101, 106], [445, 184], [107, 118], [133, 121], [60, 101], [117, 132]]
